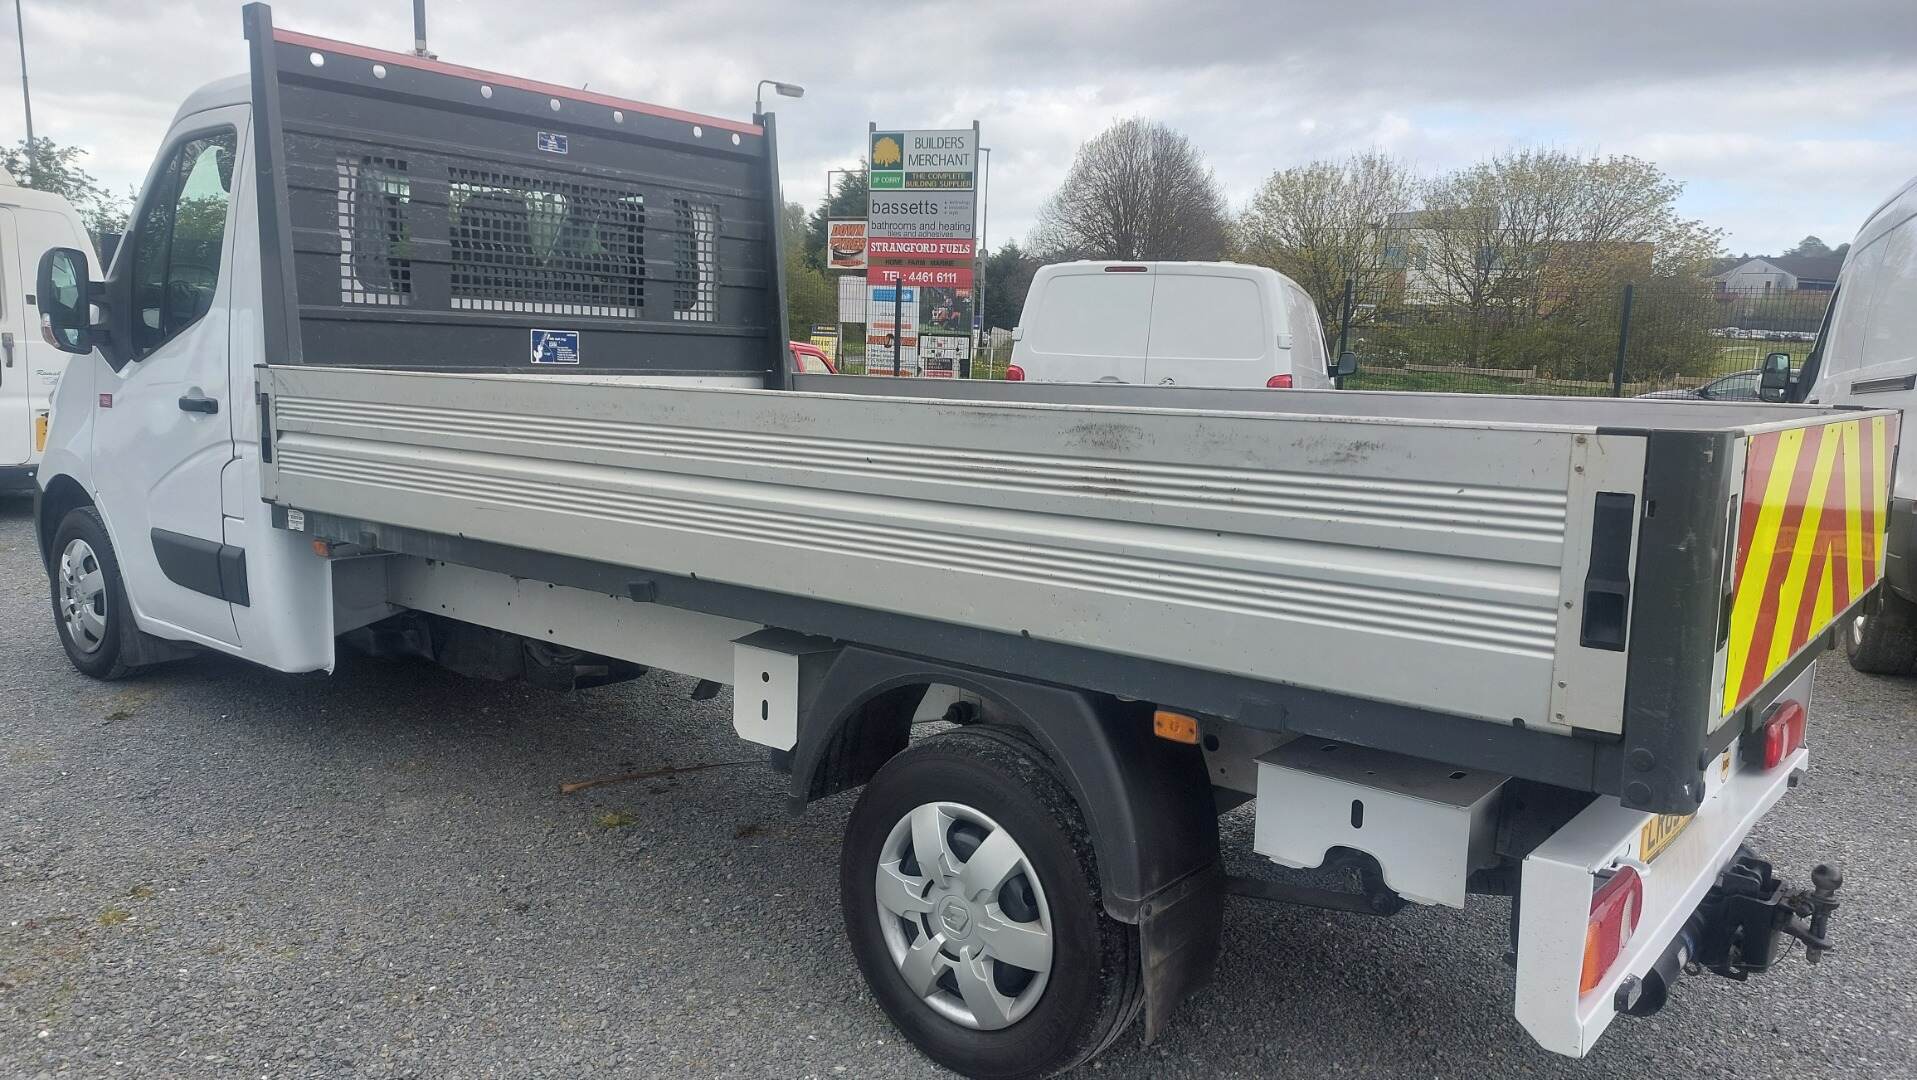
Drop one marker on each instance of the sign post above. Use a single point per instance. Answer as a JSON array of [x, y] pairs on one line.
[[922, 234]]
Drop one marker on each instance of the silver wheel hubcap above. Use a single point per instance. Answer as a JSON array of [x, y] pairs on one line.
[[83, 598], [1857, 632], [964, 915]]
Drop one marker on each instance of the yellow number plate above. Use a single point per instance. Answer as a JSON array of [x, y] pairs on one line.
[[1659, 833], [40, 432]]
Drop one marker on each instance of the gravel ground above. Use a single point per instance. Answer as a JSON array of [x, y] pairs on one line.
[[218, 871]]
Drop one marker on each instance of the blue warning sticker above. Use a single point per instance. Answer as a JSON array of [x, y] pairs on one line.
[[553, 142], [555, 346]]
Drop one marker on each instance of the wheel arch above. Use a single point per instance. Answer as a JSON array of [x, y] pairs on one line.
[[61, 496], [1148, 802]]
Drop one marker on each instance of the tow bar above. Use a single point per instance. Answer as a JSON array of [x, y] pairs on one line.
[[1735, 931]]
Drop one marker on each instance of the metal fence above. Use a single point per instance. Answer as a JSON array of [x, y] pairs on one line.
[[1636, 338]]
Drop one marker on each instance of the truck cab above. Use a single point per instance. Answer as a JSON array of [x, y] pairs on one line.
[[1169, 324], [31, 222]]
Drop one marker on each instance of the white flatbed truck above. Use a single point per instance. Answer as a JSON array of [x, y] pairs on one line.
[[443, 362]]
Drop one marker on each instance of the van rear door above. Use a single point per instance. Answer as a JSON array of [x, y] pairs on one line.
[[1089, 323], [16, 414], [1210, 326]]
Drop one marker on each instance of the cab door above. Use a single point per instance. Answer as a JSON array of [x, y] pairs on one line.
[[164, 427]]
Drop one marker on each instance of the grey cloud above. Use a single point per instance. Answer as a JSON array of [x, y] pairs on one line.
[[1700, 86]]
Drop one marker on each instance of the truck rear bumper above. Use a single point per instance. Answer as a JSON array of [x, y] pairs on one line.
[[1561, 875]]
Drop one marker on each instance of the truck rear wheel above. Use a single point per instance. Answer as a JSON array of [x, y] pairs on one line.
[[1882, 638], [89, 596], [971, 898]]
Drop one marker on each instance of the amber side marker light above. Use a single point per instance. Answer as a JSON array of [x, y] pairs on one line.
[[1175, 726]]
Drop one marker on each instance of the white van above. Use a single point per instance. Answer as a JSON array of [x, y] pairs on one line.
[[1169, 323], [30, 223], [1866, 355]]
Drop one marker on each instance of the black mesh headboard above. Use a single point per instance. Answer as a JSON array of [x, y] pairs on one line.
[[443, 218]]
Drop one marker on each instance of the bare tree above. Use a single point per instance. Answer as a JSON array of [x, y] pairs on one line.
[[1327, 221], [1139, 190]]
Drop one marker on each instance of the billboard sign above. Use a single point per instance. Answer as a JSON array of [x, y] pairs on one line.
[[921, 215], [880, 335], [923, 250], [941, 160], [845, 244], [949, 277]]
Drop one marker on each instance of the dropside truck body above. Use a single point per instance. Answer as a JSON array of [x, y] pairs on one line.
[[491, 371]]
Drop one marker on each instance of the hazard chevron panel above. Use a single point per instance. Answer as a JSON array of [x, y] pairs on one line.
[[1810, 540]]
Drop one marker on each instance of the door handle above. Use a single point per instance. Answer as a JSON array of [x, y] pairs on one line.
[[1164, 382], [197, 403], [6, 343]]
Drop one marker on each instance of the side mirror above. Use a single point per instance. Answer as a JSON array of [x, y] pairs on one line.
[[1774, 380], [64, 293], [1347, 364]]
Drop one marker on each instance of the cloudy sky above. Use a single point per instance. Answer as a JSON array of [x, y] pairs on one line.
[[1783, 117]]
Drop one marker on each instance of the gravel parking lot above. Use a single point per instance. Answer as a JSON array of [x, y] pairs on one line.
[[214, 870]]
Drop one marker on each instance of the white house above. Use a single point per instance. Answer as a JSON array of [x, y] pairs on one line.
[[1781, 273]]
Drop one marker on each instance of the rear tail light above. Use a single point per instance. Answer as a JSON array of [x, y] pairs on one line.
[[1014, 373], [1278, 382], [1616, 907], [1125, 269], [1784, 732]]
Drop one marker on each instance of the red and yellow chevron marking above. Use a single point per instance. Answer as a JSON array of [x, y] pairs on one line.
[[1810, 540]]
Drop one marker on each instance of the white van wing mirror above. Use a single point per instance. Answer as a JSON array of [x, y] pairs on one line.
[[1018, 333], [1774, 380], [1347, 364]]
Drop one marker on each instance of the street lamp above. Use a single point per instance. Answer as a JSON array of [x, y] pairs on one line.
[[783, 89]]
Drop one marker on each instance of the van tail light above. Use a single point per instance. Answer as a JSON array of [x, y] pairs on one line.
[[1278, 382], [1014, 373], [1616, 907], [1784, 732], [1125, 269]]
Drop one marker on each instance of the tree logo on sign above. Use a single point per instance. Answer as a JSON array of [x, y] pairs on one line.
[[886, 153]]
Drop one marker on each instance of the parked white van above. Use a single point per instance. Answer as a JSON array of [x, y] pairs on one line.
[[30, 223], [1169, 323], [1866, 355]]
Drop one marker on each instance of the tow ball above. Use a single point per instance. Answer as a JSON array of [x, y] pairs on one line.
[[1737, 931]]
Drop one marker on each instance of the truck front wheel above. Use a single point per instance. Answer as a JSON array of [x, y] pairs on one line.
[[971, 898], [89, 596], [1882, 638]]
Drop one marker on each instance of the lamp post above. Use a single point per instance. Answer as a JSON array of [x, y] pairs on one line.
[[984, 229], [783, 89], [26, 95]]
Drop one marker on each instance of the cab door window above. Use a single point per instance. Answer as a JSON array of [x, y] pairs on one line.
[[181, 234]]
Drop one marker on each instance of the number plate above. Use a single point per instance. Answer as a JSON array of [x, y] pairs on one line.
[[1659, 833]]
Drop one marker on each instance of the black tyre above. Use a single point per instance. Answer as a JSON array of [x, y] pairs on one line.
[[971, 898], [89, 596], [1882, 638]]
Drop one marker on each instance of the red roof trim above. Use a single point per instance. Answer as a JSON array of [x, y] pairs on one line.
[[420, 63]]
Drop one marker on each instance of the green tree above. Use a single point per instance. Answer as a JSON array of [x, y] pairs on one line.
[[809, 297], [847, 199], [1811, 246], [45, 165], [1325, 222], [1008, 277]]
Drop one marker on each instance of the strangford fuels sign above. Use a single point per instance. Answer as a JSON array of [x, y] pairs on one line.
[[945, 160]]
